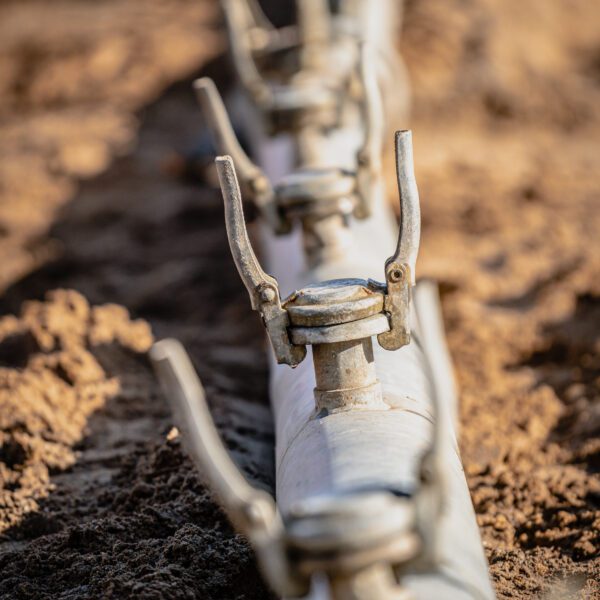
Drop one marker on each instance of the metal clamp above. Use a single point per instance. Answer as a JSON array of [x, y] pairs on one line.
[[322, 56], [399, 270], [347, 312], [262, 288], [348, 537]]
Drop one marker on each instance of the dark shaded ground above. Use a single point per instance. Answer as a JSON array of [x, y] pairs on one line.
[[126, 510], [96, 499]]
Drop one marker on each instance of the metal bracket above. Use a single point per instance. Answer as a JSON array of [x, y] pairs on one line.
[[262, 288], [396, 304], [400, 268]]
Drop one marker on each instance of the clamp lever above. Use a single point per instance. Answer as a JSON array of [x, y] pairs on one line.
[[337, 310]]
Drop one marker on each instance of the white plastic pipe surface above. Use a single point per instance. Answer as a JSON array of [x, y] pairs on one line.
[[353, 450], [366, 449]]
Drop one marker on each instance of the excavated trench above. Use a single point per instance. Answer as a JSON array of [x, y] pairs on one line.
[[125, 510], [96, 496]]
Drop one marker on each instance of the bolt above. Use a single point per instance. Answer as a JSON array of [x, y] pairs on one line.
[[396, 275], [267, 294]]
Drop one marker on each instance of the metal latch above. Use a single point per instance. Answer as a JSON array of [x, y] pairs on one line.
[[338, 310], [310, 192], [295, 75]]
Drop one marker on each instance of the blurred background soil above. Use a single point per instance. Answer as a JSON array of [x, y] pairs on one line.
[[102, 248]]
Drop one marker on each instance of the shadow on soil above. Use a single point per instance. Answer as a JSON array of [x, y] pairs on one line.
[[131, 518]]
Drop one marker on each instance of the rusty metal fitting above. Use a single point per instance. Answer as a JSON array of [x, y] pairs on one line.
[[337, 317], [311, 193], [303, 75], [304, 194], [311, 93]]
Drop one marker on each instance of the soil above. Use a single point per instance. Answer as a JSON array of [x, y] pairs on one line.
[[103, 248]]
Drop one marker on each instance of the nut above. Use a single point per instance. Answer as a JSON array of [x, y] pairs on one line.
[[267, 294]]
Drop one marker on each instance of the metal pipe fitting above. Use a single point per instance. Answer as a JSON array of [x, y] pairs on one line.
[[330, 301], [371, 498], [346, 376], [322, 198]]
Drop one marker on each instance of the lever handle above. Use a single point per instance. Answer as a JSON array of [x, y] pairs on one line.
[[369, 156], [253, 511], [400, 268], [186, 395], [262, 288], [226, 142], [409, 236], [239, 20]]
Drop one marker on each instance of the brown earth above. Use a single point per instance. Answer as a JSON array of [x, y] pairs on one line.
[[97, 499]]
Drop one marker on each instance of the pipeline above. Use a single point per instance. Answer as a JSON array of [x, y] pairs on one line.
[[372, 502]]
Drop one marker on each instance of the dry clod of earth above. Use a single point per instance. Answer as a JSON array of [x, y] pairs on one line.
[[51, 381]]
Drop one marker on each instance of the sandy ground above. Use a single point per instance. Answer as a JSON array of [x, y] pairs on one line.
[[96, 496]]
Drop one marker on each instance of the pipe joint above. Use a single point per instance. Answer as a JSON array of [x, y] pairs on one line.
[[337, 310], [338, 318]]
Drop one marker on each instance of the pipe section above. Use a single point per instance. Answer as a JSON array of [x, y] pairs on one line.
[[370, 486], [365, 449]]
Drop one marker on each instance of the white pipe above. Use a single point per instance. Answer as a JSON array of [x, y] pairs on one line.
[[358, 449], [372, 448], [361, 449]]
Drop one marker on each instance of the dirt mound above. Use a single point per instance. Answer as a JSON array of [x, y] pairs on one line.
[[124, 515], [129, 513], [50, 382]]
